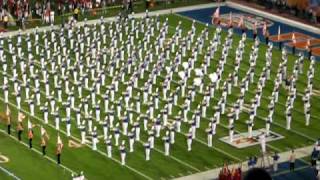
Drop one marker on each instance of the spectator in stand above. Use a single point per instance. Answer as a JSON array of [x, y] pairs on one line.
[[275, 158], [313, 18]]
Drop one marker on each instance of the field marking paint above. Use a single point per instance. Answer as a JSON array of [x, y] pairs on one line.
[[172, 157], [176, 159], [301, 134], [38, 152], [218, 149], [73, 144], [4, 159], [63, 132], [9, 173]]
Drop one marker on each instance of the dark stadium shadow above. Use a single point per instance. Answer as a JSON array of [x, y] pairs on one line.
[[257, 173]]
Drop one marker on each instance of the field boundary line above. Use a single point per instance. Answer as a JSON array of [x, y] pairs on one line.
[[77, 139], [158, 150], [38, 152], [284, 157], [288, 171], [9, 173]]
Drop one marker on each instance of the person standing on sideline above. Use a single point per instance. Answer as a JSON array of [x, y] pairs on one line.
[[314, 157], [292, 159], [275, 158]]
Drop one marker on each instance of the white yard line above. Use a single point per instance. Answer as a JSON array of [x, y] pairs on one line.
[[38, 152], [141, 15], [174, 158], [9, 173], [214, 173], [158, 150], [63, 132]]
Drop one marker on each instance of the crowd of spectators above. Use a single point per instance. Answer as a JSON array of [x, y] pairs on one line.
[[21, 11], [305, 9]]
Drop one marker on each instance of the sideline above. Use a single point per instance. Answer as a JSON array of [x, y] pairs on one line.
[[109, 19], [214, 173]]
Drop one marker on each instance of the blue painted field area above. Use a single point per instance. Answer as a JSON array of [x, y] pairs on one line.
[[304, 174], [302, 171], [204, 15]]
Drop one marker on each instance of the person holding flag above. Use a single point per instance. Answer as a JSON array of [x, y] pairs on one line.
[[230, 24], [59, 149], [279, 36], [30, 133], [8, 114], [241, 25], [216, 17], [309, 49], [294, 41], [21, 117], [44, 139], [255, 30], [265, 32]]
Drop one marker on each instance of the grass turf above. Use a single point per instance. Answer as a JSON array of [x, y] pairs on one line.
[[97, 166]]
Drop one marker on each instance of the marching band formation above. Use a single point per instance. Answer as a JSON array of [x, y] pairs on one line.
[[111, 82]]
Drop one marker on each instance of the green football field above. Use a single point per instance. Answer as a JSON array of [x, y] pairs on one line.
[[30, 164]]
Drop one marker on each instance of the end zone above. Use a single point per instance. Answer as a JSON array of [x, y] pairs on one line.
[[241, 140]]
